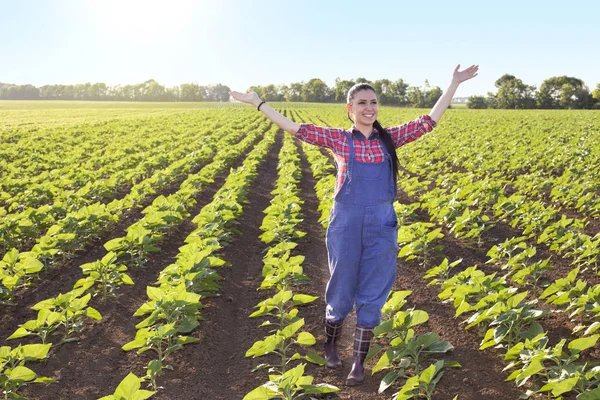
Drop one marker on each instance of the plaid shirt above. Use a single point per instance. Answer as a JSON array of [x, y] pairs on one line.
[[366, 150]]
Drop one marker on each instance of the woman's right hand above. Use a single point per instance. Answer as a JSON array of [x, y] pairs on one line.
[[250, 97]]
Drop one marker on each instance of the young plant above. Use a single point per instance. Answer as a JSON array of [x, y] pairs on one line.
[[106, 274], [163, 340], [13, 372], [292, 384], [417, 241], [46, 323], [15, 272], [129, 389], [138, 242], [72, 307], [281, 306]]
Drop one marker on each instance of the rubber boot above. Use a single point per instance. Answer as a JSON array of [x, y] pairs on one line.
[[333, 332], [362, 343]]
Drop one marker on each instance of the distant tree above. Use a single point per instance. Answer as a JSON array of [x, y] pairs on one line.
[[596, 93], [281, 92], [151, 90], [513, 93], [563, 92], [383, 88], [172, 94], [19, 92], [340, 90], [270, 93], [432, 95], [424, 97], [217, 92], [191, 92], [491, 100], [295, 92], [97, 91], [363, 80], [504, 79], [398, 93], [596, 97], [315, 90], [416, 97], [477, 102]]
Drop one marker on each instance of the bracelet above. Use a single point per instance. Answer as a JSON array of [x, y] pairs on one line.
[[258, 108]]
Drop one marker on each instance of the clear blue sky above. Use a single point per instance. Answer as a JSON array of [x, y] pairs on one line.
[[242, 43]]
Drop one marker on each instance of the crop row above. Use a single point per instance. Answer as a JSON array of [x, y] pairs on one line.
[[281, 273]]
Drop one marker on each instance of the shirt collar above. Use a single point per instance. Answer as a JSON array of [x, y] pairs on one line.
[[356, 134]]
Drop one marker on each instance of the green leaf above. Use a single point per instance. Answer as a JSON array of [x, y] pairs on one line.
[[128, 386], [385, 361], [21, 373], [319, 388], [306, 339], [303, 299], [93, 313], [261, 393], [291, 329], [315, 358], [578, 345], [592, 395], [35, 351], [19, 333], [388, 380], [561, 387]]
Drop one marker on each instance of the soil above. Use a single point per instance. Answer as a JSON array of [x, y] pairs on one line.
[[216, 367]]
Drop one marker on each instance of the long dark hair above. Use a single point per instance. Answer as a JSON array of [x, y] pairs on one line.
[[385, 136]]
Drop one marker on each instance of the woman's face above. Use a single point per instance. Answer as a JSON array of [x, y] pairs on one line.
[[364, 107]]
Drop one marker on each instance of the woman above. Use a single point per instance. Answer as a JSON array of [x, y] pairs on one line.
[[363, 230]]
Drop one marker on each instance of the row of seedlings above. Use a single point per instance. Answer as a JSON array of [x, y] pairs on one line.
[[174, 303], [53, 166], [563, 235], [500, 310], [104, 276], [85, 224], [282, 272], [22, 223]]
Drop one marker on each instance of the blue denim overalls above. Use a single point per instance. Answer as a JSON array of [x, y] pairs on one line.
[[362, 242]]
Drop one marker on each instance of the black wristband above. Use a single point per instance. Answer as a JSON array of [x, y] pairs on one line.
[[258, 108]]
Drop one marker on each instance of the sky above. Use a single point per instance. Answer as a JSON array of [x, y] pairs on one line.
[[241, 43]]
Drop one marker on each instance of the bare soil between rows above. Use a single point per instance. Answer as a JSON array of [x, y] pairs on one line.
[[216, 367]]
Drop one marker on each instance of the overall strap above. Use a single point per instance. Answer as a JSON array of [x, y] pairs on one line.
[[350, 161]]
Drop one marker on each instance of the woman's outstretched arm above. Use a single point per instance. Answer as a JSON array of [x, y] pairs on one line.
[[277, 118], [443, 102]]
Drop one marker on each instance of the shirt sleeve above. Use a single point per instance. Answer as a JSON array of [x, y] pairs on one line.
[[412, 130], [318, 135]]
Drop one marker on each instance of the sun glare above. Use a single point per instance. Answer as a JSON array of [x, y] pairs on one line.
[[143, 18]]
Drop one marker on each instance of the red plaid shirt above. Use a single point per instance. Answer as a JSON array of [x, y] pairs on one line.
[[366, 150]]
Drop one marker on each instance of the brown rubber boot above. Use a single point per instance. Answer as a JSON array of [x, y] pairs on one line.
[[362, 343], [333, 332]]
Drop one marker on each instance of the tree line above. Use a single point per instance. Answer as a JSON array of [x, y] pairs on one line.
[[556, 92], [396, 93], [146, 91]]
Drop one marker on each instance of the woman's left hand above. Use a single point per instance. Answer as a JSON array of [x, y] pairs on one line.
[[461, 76]]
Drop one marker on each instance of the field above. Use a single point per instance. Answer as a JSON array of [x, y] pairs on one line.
[[184, 243]]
